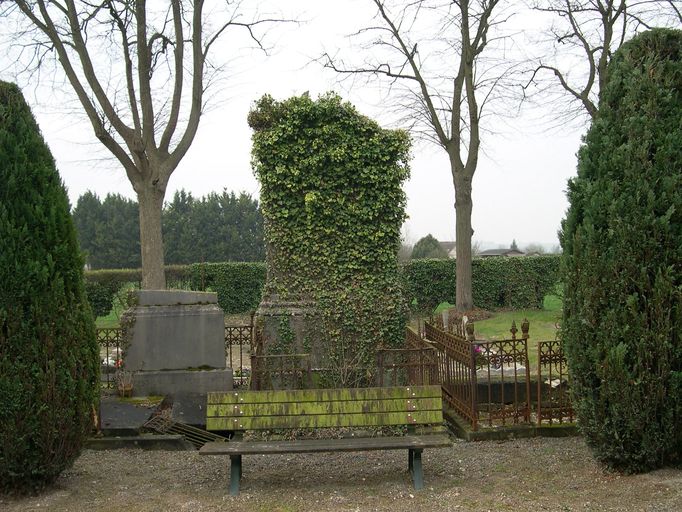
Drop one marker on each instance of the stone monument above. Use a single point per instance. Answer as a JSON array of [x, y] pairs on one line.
[[175, 343]]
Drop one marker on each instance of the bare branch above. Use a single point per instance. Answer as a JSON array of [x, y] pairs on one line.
[[588, 32]]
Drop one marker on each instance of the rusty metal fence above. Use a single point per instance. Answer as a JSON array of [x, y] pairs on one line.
[[553, 397], [489, 383], [456, 371], [238, 343], [503, 381], [414, 365], [281, 371]]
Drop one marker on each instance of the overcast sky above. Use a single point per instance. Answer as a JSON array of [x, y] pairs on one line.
[[519, 187]]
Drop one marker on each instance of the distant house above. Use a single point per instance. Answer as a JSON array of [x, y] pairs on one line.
[[449, 247], [510, 253]]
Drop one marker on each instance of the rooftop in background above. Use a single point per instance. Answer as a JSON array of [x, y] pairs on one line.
[[449, 247], [501, 252]]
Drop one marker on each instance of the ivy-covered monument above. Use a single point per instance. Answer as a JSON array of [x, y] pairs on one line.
[[332, 199]]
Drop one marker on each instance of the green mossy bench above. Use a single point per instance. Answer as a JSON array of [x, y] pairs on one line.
[[326, 408]]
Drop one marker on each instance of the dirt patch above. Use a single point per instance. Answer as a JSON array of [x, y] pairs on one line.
[[522, 475]]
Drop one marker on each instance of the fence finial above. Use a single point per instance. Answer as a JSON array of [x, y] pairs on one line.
[[513, 329], [525, 327]]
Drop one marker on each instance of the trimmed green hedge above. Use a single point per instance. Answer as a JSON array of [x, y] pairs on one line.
[[239, 285], [498, 282], [101, 286]]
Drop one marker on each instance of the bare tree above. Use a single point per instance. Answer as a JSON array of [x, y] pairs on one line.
[[583, 36], [436, 56], [140, 71]]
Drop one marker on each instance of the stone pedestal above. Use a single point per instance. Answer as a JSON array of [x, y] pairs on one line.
[[289, 327], [177, 343]]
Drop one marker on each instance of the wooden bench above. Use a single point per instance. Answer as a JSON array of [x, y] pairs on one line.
[[325, 408]]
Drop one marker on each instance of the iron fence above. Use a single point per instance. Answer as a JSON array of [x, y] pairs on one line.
[[109, 341], [553, 397], [238, 343], [414, 365], [503, 381], [485, 382], [238, 340], [281, 371], [456, 371]]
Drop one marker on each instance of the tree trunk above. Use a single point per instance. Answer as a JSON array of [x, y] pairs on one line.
[[463, 206], [151, 242]]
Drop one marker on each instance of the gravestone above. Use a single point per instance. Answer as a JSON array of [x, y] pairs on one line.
[[176, 343]]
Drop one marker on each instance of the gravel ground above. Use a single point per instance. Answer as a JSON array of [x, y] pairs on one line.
[[521, 475]]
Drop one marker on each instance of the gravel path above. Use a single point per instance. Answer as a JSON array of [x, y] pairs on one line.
[[522, 475]]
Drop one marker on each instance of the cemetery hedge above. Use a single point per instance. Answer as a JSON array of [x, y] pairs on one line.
[[622, 241], [239, 285], [49, 359], [499, 283]]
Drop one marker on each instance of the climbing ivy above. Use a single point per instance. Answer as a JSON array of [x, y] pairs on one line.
[[332, 199]]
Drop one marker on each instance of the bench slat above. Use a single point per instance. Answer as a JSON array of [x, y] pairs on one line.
[[325, 408], [323, 395], [326, 421], [326, 445]]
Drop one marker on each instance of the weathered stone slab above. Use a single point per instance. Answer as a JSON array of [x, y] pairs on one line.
[[180, 382], [175, 336], [174, 297]]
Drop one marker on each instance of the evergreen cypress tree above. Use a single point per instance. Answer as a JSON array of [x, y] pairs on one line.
[[428, 247], [49, 360], [622, 246]]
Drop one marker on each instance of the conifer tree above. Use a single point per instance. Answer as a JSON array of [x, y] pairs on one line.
[[622, 248], [49, 359]]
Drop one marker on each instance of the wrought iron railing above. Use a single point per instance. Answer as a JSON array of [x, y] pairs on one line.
[[237, 352], [414, 365], [238, 342], [553, 397], [503, 381], [109, 340], [487, 383], [456, 371], [281, 371]]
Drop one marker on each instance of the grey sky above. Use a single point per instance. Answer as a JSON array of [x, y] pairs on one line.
[[518, 187]]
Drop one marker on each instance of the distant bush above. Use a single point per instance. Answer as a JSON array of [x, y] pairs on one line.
[[498, 282], [622, 241], [428, 248], [49, 359]]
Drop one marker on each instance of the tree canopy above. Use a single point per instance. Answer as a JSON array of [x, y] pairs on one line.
[[217, 227]]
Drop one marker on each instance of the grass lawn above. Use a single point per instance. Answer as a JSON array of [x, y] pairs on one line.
[[111, 320], [543, 324]]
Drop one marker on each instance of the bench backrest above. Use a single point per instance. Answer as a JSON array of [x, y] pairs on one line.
[[321, 408]]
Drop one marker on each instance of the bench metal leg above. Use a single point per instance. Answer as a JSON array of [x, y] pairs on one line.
[[415, 465], [235, 474]]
